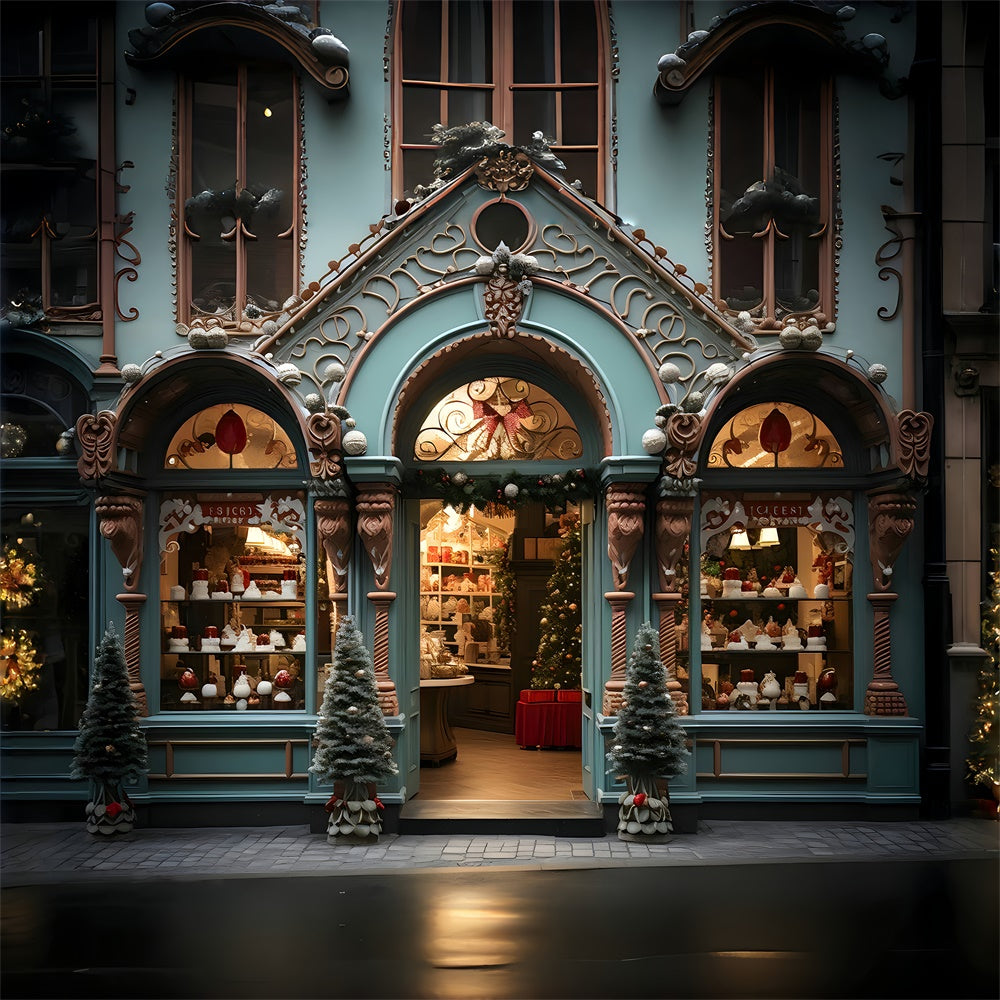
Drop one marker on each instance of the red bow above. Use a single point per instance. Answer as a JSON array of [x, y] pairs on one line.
[[511, 419]]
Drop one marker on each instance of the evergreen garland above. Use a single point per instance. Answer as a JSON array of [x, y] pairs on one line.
[[648, 739], [353, 741], [110, 746], [558, 660], [983, 761], [499, 497]]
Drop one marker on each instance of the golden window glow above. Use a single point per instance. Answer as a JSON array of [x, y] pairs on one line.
[[497, 418], [230, 436], [775, 435]]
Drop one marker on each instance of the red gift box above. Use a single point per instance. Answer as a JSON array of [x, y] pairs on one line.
[[569, 696], [530, 694]]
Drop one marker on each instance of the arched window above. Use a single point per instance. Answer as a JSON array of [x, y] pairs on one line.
[[230, 436], [497, 418], [533, 65]]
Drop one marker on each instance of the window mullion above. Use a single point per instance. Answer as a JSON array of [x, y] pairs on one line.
[[770, 305], [503, 68], [239, 306]]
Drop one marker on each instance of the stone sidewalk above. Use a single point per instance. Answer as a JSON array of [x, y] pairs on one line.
[[31, 853]]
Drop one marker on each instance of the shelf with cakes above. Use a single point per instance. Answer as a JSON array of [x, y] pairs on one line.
[[457, 595], [232, 605], [767, 641]]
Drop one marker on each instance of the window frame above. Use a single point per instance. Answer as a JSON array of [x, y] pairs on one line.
[[769, 316], [185, 189], [104, 183], [503, 88]]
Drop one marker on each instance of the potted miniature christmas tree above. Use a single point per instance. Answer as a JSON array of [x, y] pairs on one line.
[[353, 745], [648, 745], [557, 662], [110, 748]]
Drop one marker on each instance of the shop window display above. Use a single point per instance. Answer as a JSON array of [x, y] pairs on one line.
[[775, 581], [233, 602], [44, 594]]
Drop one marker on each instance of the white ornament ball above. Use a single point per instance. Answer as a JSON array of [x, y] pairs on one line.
[[510, 491], [654, 441], [216, 339], [812, 338], [790, 338], [334, 372], [460, 479], [314, 402], [877, 373], [717, 373], [669, 373], [694, 402], [289, 374], [355, 443], [131, 373]]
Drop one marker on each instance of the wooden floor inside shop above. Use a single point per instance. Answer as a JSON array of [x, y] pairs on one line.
[[491, 766]]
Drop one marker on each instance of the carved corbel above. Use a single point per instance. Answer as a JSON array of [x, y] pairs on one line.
[[323, 439], [890, 521], [913, 443], [626, 503], [673, 531], [502, 303], [375, 504], [333, 526], [683, 432], [96, 432], [121, 524]]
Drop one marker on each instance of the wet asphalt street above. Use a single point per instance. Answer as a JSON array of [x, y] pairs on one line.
[[873, 927]]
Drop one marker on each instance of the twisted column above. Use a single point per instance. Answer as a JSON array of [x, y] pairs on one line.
[[333, 526], [667, 606], [882, 696], [613, 687], [133, 642]]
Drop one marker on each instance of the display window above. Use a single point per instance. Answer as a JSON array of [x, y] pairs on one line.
[[44, 598], [776, 600], [232, 602]]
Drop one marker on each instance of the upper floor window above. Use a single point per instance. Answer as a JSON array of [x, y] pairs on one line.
[[772, 199], [239, 193], [52, 66], [530, 66]]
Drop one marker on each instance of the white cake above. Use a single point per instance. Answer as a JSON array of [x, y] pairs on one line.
[[791, 639], [199, 590], [772, 593], [236, 584], [211, 645], [221, 595], [177, 593], [822, 592], [742, 644], [252, 592], [732, 588], [796, 591], [299, 643], [749, 688], [764, 642], [816, 642], [180, 645], [289, 590], [277, 639]]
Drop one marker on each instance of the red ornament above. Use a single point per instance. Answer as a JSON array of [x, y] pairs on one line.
[[114, 809], [231, 433], [733, 613], [188, 679], [639, 798], [775, 433], [379, 803], [331, 803], [283, 679]]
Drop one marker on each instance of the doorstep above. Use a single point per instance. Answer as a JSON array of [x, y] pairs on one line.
[[554, 818]]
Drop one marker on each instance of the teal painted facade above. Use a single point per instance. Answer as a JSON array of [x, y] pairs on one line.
[[397, 301]]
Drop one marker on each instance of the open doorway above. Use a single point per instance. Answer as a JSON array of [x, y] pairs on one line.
[[500, 604]]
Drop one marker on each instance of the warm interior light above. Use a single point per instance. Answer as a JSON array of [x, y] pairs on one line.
[[268, 544], [740, 540], [768, 537], [267, 112]]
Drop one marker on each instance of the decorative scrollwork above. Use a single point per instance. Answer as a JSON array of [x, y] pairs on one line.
[[509, 170], [913, 437], [323, 441], [684, 432], [96, 433], [886, 252]]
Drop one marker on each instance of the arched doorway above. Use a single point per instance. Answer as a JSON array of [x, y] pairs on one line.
[[498, 500]]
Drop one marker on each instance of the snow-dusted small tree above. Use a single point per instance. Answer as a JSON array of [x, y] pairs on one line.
[[648, 743], [354, 746], [110, 748]]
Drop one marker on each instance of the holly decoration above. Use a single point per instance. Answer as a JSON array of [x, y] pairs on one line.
[[558, 659]]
